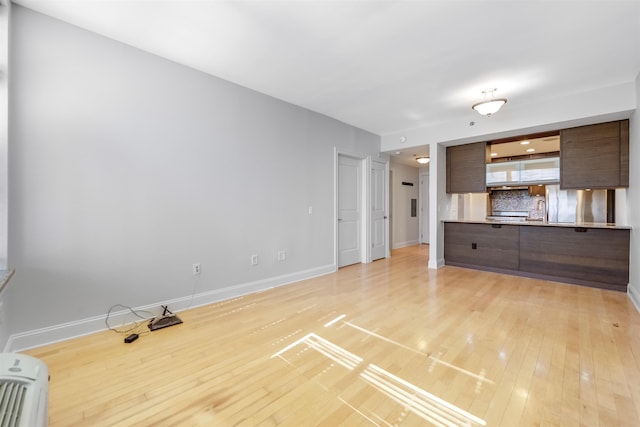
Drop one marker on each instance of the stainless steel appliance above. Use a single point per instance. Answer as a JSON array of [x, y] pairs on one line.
[[579, 206], [552, 205]]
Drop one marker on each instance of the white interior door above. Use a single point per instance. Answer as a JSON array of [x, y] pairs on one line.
[[378, 211], [349, 210], [424, 209]]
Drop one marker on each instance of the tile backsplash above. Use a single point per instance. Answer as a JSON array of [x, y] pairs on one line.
[[518, 200]]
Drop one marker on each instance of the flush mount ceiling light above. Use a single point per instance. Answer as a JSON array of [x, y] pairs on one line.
[[422, 160], [489, 106]]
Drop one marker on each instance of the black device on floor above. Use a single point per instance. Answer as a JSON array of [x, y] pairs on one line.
[[131, 338], [167, 319]]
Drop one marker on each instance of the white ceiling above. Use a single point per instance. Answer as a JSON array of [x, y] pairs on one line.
[[383, 66]]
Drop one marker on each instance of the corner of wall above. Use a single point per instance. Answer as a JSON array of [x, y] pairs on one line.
[[634, 296], [436, 264], [633, 201]]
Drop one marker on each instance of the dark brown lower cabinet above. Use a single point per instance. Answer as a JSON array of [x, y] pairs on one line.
[[487, 245], [597, 257], [592, 256]]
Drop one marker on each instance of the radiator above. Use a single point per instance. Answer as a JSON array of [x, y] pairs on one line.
[[24, 391]]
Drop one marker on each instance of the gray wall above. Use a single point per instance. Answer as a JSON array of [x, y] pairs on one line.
[[4, 161], [126, 168], [633, 200]]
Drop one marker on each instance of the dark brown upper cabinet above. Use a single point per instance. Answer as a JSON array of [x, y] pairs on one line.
[[595, 156], [466, 168]]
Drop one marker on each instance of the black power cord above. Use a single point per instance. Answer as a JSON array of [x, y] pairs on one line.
[[133, 326]]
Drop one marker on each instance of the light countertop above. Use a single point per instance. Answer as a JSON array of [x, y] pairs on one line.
[[543, 223]]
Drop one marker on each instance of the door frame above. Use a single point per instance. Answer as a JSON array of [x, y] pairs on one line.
[[365, 212]]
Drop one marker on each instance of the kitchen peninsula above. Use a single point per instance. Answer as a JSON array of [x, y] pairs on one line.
[[550, 214], [589, 254]]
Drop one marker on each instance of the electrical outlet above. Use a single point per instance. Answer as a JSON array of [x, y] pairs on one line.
[[254, 259], [282, 255], [196, 269]]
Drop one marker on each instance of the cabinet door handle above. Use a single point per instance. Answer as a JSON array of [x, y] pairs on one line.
[[580, 230], [496, 225]]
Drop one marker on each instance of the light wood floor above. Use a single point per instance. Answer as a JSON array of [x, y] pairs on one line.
[[389, 344]]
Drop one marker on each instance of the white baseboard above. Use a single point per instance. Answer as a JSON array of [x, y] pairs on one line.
[[435, 264], [87, 326], [634, 296], [399, 245]]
